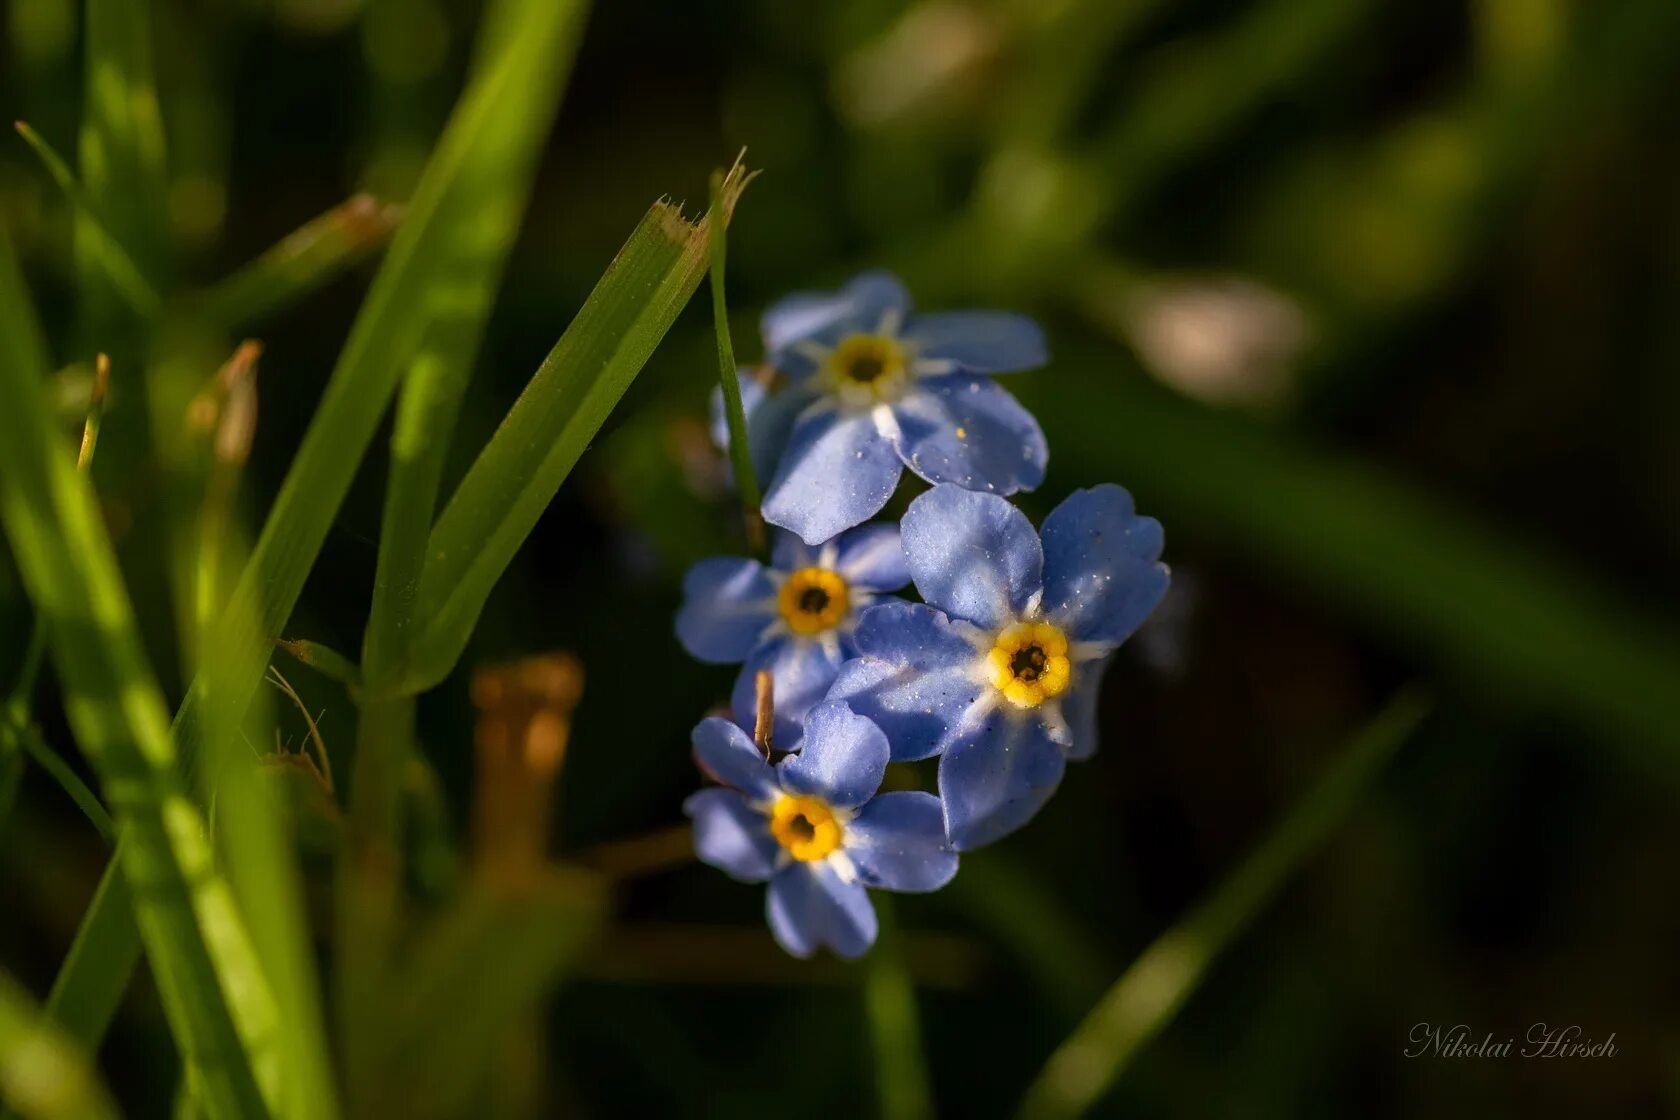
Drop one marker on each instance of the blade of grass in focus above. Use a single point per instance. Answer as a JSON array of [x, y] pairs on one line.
[[552, 422], [218, 1004], [256, 837], [438, 364], [487, 127], [729, 382], [43, 1076], [1151, 991], [901, 1076], [304, 260]]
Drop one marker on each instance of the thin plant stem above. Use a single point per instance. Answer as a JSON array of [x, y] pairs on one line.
[[901, 1076], [729, 380]]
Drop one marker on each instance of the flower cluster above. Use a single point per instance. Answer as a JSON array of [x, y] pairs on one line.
[[995, 672]]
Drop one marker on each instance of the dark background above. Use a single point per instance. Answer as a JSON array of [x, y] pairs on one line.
[[1376, 306]]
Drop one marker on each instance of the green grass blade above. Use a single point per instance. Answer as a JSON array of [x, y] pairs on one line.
[[323, 659], [43, 1075], [729, 381], [1151, 991], [304, 260], [214, 994], [901, 1077], [583, 377], [492, 127], [121, 147], [95, 971], [456, 309], [28, 739], [100, 246], [256, 837], [486, 124]]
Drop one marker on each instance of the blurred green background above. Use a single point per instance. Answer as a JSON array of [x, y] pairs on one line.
[[1376, 306]]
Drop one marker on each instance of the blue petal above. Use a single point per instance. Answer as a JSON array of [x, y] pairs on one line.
[[727, 603], [827, 317], [965, 429], [974, 556], [914, 636], [897, 841], [788, 553], [731, 835], [727, 754], [837, 472], [1102, 570], [996, 781], [1079, 707], [915, 679], [980, 341], [872, 557], [842, 758], [802, 671], [808, 905]]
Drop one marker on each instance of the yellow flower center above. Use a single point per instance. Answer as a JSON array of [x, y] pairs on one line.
[[866, 368], [1029, 664], [813, 600], [805, 826]]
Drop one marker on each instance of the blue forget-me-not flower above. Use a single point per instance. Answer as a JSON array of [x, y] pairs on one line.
[[999, 672], [872, 388], [794, 617], [815, 828]]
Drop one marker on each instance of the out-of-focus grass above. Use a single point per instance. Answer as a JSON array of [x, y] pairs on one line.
[[219, 1003], [42, 1074], [1156, 985]]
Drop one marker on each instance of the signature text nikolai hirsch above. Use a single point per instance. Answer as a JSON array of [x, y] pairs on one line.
[[1433, 1040]]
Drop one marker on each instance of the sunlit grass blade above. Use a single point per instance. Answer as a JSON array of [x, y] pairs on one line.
[[519, 471], [100, 245], [1151, 991], [438, 365], [487, 128], [218, 1004], [491, 129], [19, 737], [306, 259], [729, 381], [256, 836], [43, 1075], [901, 1077]]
